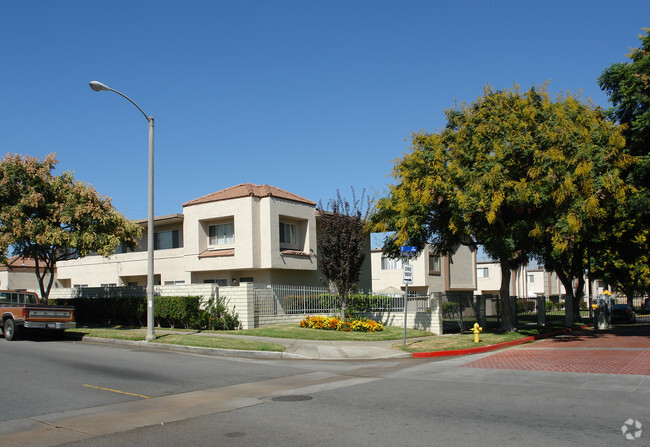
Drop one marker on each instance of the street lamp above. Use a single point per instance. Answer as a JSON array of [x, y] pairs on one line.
[[98, 87]]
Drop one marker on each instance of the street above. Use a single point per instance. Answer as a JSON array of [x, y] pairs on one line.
[[81, 394]]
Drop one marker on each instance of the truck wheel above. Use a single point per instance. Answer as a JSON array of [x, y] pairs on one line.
[[9, 330]]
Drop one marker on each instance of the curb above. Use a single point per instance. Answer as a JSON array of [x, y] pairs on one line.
[[194, 349], [505, 344]]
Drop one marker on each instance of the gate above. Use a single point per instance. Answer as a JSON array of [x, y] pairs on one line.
[[625, 315]]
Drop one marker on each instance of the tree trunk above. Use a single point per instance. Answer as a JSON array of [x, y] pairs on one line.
[[504, 294], [568, 288], [578, 295]]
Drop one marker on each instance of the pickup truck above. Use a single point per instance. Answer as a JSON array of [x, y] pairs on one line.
[[24, 310]]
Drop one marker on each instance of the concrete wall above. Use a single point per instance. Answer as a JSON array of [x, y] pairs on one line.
[[15, 279], [241, 299], [461, 268]]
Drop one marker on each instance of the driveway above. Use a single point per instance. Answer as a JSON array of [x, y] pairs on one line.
[[623, 350]]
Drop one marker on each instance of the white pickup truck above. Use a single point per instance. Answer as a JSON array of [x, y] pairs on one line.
[[24, 310]]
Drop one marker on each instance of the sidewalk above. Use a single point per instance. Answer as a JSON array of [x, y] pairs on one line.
[[295, 349]]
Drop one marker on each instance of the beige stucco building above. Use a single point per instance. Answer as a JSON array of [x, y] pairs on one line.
[[525, 282], [488, 275], [431, 273], [19, 273], [246, 233]]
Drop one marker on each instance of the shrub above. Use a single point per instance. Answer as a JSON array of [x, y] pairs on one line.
[[525, 307], [370, 303], [335, 324], [173, 311], [216, 316], [186, 312], [129, 311], [450, 310], [293, 304]]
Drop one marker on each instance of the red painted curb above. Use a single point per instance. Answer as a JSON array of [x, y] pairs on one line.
[[481, 349]]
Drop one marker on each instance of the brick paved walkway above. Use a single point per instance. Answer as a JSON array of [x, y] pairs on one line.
[[622, 351]]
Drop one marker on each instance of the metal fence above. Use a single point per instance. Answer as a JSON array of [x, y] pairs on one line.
[[282, 299], [460, 315]]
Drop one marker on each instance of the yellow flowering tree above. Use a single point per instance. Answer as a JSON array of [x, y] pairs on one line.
[[517, 173]]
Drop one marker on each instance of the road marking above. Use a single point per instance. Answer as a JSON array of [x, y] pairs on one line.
[[78, 425], [117, 391]]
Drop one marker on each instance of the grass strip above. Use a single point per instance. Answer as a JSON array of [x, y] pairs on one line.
[[178, 338], [465, 340]]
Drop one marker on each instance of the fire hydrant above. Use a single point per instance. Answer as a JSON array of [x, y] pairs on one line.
[[476, 331]]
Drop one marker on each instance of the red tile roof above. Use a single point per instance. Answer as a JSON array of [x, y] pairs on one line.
[[217, 253], [19, 261], [249, 189], [295, 253]]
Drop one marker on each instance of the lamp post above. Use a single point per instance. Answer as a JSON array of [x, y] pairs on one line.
[[98, 87]]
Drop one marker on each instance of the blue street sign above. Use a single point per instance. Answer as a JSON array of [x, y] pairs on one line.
[[408, 249]]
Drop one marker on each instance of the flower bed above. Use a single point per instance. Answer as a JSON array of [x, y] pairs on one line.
[[335, 324]]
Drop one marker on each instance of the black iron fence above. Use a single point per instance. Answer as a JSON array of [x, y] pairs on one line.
[[461, 314]]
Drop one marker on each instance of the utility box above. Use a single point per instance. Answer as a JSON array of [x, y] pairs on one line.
[[602, 312]]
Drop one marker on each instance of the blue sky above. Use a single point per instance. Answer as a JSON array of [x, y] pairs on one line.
[[308, 96]]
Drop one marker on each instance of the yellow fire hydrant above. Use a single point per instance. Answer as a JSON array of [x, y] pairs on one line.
[[477, 329]]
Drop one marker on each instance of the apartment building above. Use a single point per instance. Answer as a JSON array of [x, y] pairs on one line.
[[245, 233]]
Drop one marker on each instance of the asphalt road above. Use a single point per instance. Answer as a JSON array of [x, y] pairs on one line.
[[77, 394]]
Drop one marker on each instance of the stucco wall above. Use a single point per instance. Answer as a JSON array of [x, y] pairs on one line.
[[456, 272]]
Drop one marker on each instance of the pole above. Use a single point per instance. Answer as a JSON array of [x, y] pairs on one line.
[[98, 87], [150, 241], [406, 298]]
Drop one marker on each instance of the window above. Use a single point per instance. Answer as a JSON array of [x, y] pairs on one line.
[[122, 248], [287, 233], [173, 283], [482, 272], [391, 263], [246, 279], [164, 240], [221, 234], [434, 264], [531, 278]]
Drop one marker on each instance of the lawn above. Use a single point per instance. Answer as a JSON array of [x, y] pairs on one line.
[[465, 340], [185, 338], [294, 331], [417, 341]]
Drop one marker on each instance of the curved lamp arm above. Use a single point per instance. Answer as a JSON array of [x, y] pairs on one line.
[[98, 87]]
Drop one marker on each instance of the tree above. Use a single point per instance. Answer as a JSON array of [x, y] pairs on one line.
[[495, 176], [342, 239], [625, 265], [52, 218], [583, 162]]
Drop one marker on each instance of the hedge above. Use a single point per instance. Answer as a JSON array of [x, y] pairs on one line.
[[184, 312]]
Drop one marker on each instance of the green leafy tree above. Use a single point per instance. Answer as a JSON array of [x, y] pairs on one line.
[[53, 218], [494, 176], [625, 265], [342, 240]]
